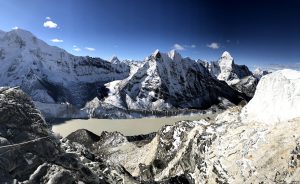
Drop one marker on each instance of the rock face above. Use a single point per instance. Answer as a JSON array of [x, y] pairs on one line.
[[84, 137], [276, 99], [168, 81], [237, 76], [223, 150], [51, 76], [30, 153]]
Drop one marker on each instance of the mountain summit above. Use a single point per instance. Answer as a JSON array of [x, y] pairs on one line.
[[236, 76]]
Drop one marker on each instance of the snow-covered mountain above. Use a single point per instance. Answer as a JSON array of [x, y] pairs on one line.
[[258, 73], [237, 76], [168, 81], [276, 99], [49, 74], [67, 86]]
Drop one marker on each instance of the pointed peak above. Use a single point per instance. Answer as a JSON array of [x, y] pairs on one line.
[[156, 54], [115, 59], [226, 55], [174, 54]]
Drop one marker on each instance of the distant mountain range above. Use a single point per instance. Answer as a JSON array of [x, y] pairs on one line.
[[66, 86]]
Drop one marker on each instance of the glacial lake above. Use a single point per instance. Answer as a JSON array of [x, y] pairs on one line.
[[127, 127]]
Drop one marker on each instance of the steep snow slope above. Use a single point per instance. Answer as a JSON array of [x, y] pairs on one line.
[[237, 76], [167, 81], [50, 74], [276, 99]]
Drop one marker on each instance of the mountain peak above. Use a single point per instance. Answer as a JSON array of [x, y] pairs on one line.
[[115, 59], [156, 54], [174, 54], [22, 33], [22, 38], [227, 55]]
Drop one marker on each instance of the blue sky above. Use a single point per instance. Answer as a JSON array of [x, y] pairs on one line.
[[256, 33]]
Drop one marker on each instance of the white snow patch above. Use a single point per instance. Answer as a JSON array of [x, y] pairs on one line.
[[277, 98]]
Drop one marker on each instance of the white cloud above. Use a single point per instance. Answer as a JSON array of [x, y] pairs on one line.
[[90, 48], [275, 67], [14, 28], [213, 45], [177, 46], [48, 18], [77, 49], [56, 40], [50, 24]]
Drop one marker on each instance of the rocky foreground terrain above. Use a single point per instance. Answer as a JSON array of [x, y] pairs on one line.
[[231, 148]]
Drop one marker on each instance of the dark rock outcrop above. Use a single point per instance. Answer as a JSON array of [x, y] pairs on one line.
[[30, 153]]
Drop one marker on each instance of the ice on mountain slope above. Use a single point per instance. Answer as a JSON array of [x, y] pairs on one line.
[[237, 76], [226, 67], [168, 81], [50, 74], [276, 99], [227, 70]]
